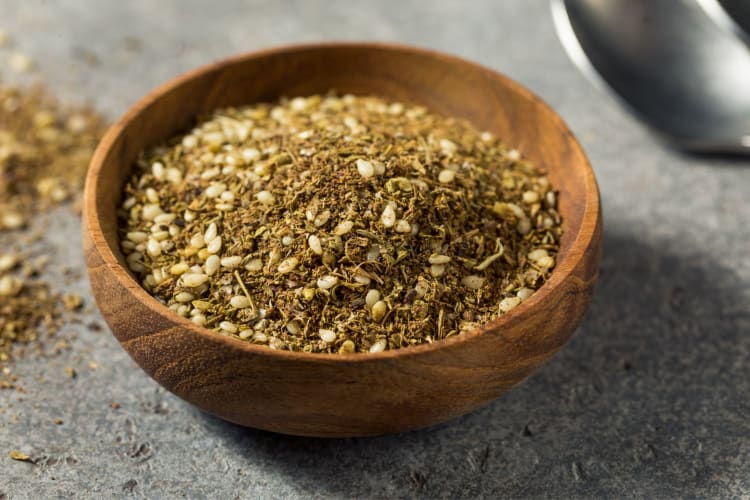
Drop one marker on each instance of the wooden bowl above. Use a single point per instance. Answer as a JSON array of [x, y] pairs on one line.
[[356, 394]]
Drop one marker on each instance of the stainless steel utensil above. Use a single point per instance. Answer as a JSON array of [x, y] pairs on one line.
[[732, 15], [673, 67]]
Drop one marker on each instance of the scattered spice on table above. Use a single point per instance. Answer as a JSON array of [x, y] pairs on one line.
[[338, 224], [45, 149]]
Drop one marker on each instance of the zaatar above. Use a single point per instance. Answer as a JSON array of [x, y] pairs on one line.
[[338, 224], [44, 153]]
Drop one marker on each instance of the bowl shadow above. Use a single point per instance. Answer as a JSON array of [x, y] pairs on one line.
[[649, 398]]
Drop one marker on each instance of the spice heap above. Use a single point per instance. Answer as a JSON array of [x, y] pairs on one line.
[[338, 224], [44, 152]]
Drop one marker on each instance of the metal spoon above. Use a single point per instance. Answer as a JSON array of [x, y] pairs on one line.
[[732, 15], [673, 67]]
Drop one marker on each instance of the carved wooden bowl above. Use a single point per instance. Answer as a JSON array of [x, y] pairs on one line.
[[355, 394]]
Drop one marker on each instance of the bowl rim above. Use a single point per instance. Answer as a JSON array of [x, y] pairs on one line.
[[583, 239]]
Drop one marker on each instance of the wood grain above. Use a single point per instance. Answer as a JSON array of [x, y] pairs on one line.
[[353, 395]]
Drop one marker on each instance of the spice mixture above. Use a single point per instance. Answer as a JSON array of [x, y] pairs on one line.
[[338, 224], [44, 153]]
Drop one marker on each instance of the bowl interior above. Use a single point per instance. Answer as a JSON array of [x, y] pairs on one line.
[[445, 84]]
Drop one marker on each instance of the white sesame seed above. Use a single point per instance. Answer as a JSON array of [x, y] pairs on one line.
[[137, 236], [403, 226], [446, 176], [189, 141], [152, 196], [327, 335], [437, 270], [322, 218], [165, 218], [150, 211], [254, 265], [365, 168], [10, 286], [287, 240], [546, 262], [448, 147], [129, 203], [178, 269], [293, 327], [231, 262], [362, 280], [550, 198], [388, 217], [250, 154], [371, 298], [160, 235], [153, 248], [508, 303], [215, 189], [173, 175], [228, 327], [327, 282], [265, 197], [343, 227], [314, 243], [438, 259], [473, 281], [212, 264], [245, 334], [184, 297], [524, 226], [514, 155], [530, 197], [157, 170], [537, 254], [198, 241], [239, 302], [379, 345], [211, 232], [287, 265], [7, 262], [194, 280], [214, 245], [517, 211], [199, 320], [524, 293]]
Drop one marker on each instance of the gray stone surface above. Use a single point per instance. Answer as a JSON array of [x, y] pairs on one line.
[[650, 399]]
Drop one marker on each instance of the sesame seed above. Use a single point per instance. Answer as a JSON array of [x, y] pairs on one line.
[[473, 281], [446, 176], [327, 335], [327, 282]]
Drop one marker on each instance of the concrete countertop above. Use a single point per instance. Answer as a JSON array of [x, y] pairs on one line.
[[649, 399]]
